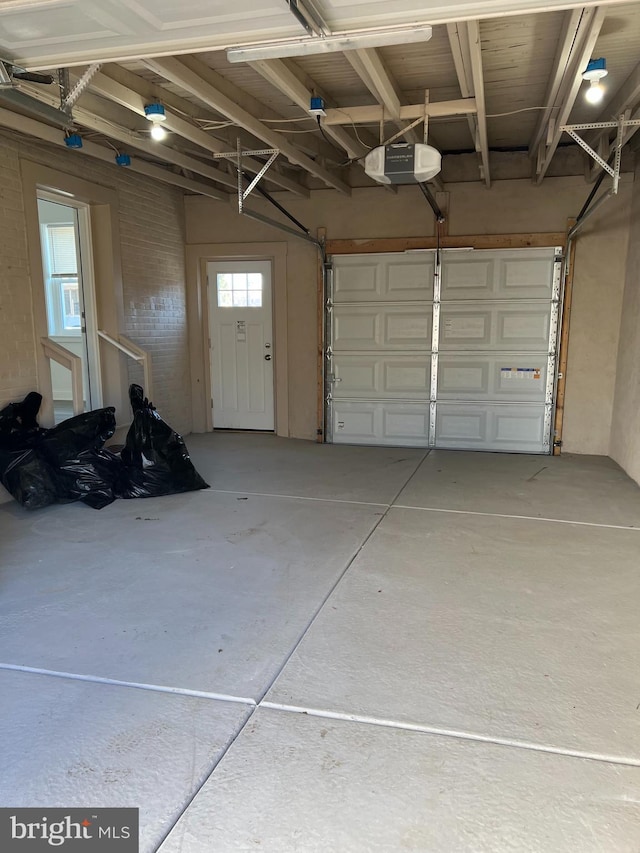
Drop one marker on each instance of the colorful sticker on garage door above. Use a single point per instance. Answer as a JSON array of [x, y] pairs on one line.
[[520, 372]]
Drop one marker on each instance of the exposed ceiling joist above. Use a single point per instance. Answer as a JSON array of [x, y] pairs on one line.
[[369, 66], [434, 109], [280, 76], [311, 144], [475, 48], [132, 139], [566, 43], [37, 129], [135, 101], [591, 21], [464, 39], [189, 78]]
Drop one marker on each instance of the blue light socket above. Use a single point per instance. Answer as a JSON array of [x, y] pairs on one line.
[[74, 140]]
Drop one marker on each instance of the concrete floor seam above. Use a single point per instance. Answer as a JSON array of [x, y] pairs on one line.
[[449, 733], [294, 497], [275, 678], [114, 682], [341, 576], [208, 776], [517, 517]]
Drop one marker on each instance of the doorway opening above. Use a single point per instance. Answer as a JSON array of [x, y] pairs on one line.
[[241, 347], [67, 263]]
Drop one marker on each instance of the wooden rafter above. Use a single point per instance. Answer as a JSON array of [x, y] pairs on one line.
[[586, 34], [280, 76], [464, 39], [134, 100], [87, 115], [433, 109], [189, 77], [42, 131]]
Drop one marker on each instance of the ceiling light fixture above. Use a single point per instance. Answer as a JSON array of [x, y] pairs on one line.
[[156, 115], [158, 132], [595, 71], [329, 44]]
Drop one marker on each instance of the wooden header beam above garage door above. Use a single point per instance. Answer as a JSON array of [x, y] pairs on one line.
[[471, 241]]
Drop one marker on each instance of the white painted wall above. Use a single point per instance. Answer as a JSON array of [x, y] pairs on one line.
[[625, 431]]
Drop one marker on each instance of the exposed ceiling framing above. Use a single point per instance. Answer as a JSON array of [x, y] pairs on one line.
[[568, 71], [466, 48], [192, 78], [475, 85]]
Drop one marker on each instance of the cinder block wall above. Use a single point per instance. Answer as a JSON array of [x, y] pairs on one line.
[[151, 219]]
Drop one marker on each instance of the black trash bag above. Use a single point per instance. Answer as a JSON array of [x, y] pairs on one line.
[[88, 431], [27, 477], [91, 476], [155, 457], [22, 470], [83, 470], [18, 424]]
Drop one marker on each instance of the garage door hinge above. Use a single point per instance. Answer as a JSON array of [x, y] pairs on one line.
[[329, 305], [329, 352]]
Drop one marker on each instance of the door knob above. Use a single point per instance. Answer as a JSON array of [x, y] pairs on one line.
[[267, 357]]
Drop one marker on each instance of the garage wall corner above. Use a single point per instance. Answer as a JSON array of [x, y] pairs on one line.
[[625, 428]]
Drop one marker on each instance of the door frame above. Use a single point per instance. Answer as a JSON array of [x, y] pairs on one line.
[[84, 251], [197, 258], [388, 245], [104, 224], [242, 266]]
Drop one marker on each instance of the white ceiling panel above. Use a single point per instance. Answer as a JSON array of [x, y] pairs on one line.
[[45, 33], [50, 32]]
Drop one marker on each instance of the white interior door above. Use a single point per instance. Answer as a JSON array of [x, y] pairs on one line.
[[241, 344]]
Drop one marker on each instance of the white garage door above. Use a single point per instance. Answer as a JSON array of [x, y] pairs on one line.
[[457, 354]]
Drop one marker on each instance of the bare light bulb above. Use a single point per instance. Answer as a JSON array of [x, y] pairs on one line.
[[594, 93], [158, 132]]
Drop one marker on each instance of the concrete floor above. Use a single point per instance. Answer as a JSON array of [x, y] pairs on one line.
[[334, 649]]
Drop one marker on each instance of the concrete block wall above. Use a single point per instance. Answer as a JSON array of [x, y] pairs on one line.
[[151, 219]]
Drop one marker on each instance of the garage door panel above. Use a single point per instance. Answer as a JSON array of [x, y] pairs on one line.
[[358, 281], [400, 424], [356, 329], [481, 376], [410, 280], [495, 327], [526, 277], [357, 376], [384, 327], [489, 275], [464, 328], [524, 329], [468, 276], [405, 328], [377, 376], [388, 278], [497, 427]]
